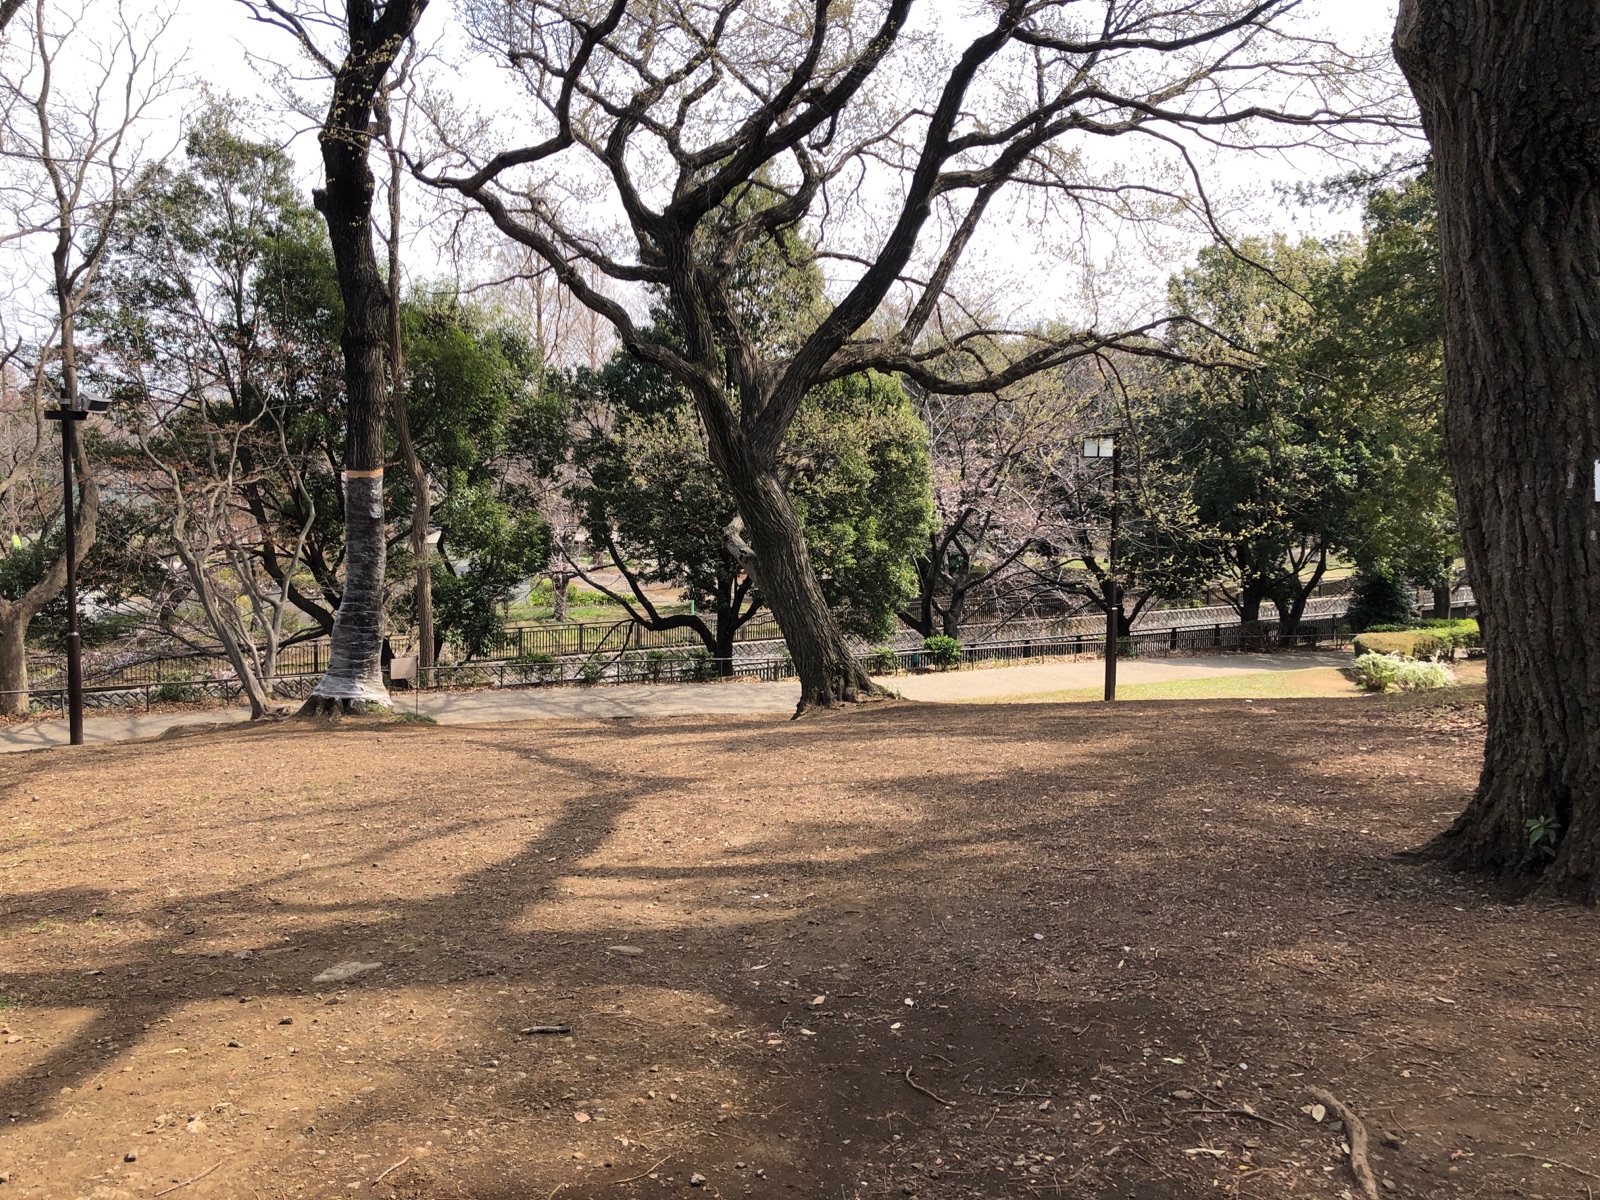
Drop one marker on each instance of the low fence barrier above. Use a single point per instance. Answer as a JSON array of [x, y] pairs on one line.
[[663, 666]]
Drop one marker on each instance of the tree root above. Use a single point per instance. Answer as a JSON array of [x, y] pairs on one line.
[[1356, 1131], [332, 706]]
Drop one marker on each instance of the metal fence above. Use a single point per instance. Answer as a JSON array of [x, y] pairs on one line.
[[622, 652]]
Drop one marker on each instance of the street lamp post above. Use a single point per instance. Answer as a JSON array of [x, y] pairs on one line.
[[1109, 447], [69, 415]]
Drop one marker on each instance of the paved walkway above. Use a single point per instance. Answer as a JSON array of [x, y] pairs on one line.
[[688, 699]]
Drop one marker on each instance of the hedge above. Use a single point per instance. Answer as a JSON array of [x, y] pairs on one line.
[[1432, 639], [1407, 643]]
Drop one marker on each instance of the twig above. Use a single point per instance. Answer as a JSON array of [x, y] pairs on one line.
[[1555, 1162], [641, 1175], [1359, 1167], [931, 1095], [1245, 1111], [386, 1170], [187, 1182]]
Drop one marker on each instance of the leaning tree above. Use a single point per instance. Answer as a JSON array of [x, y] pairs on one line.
[[665, 146], [1510, 98]]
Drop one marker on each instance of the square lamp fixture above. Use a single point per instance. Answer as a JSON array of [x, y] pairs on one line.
[[1099, 447]]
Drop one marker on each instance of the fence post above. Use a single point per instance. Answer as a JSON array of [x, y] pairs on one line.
[[1216, 635], [580, 637]]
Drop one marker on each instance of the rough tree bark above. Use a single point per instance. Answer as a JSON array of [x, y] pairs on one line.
[[16, 615], [1510, 97], [828, 671], [354, 680]]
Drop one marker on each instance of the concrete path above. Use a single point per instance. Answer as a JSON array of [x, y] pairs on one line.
[[689, 699]]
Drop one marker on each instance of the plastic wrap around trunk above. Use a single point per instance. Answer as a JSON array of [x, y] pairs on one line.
[[355, 661]]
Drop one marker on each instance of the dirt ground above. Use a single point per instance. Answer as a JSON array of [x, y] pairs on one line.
[[934, 951]]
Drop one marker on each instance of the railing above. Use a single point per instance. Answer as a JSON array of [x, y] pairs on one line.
[[621, 652]]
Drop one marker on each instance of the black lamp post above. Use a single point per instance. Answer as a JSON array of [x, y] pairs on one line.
[[1108, 447], [69, 415]]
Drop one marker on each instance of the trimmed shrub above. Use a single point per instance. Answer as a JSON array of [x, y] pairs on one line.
[[944, 652], [1388, 672], [1408, 643], [593, 670], [1461, 634]]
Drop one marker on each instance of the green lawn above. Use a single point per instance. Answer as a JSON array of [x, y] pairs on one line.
[[1268, 685]]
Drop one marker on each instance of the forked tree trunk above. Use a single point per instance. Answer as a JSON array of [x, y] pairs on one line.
[[829, 673], [1510, 97]]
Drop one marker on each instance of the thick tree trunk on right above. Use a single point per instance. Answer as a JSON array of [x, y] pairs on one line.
[[1510, 96]]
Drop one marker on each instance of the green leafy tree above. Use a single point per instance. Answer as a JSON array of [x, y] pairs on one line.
[[1379, 344], [484, 431], [1274, 460]]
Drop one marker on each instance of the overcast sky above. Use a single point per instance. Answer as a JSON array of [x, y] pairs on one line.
[[225, 50]]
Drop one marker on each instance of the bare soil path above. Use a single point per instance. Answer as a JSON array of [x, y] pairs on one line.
[[934, 951], [691, 699]]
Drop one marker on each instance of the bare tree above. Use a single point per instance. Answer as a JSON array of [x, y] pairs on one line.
[[371, 37], [718, 131], [993, 458], [71, 109]]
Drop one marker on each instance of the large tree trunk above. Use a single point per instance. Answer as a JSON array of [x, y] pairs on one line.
[[1443, 599], [13, 662], [829, 673], [354, 680], [1510, 96], [1251, 595], [559, 582], [1290, 614], [17, 615]]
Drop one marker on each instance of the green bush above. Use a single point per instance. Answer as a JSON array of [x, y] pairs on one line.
[[1378, 599], [655, 664], [175, 691], [593, 670], [1459, 634], [541, 667], [944, 652], [702, 665], [1388, 672], [883, 661]]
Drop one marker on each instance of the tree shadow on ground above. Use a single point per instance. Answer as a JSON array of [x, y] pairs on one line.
[[909, 853]]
